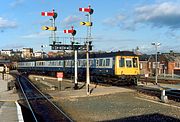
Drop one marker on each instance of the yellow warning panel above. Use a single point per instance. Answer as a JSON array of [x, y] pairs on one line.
[[49, 28], [86, 23]]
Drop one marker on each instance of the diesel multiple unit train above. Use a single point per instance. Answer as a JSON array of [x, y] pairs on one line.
[[114, 66]]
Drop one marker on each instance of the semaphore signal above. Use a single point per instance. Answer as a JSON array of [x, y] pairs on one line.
[[48, 13], [72, 31], [52, 28], [88, 43], [86, 9]]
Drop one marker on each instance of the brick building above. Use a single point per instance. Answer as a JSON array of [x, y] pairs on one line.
[[167, 63]]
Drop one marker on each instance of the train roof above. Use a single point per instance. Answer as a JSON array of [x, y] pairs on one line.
[[92, 55], [111, 54]]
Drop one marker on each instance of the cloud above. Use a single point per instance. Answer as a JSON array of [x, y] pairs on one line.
[[4, 23], [115, 21], [120, 21], [70, 20], [121, 44], [159, 15], [16, 3]]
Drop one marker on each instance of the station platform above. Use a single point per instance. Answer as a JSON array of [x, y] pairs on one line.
[[8, 104], [68, 91], [94, 91]]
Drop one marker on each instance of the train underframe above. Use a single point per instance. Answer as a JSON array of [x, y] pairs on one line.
[[115, 80]]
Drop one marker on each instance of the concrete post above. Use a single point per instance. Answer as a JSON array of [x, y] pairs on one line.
[[75, 70], [172, 73], [164, 98]]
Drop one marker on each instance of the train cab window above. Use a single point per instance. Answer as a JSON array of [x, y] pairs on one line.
[[128, 63], [135, 63], [121, 62]]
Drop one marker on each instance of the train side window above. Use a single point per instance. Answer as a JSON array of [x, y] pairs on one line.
[[91, 63], [97, 62], [104, 62], [128, 63], [100, 62], [107, 62], [60, 63], [135, 62], [121, 62], [72, 63], [78, 63]]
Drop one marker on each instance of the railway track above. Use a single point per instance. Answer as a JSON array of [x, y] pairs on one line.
[[42, 109], [172, 94], [160, 80]]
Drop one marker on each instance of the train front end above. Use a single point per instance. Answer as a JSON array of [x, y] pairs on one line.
[[127, 68]]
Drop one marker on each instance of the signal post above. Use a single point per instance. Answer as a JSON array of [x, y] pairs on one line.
[[52, 28], [73, 32], [74, 45], [88, 42]]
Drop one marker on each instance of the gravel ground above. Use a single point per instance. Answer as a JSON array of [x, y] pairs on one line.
[[117, 107], [123, 106]]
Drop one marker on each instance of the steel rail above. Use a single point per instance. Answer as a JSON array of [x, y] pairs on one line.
[[34, 116], [49, 100]]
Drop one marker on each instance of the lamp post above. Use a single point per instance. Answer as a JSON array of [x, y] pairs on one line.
[[156, 46]]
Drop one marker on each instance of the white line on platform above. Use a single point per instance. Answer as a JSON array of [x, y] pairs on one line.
[[158, 102], [19, 112]]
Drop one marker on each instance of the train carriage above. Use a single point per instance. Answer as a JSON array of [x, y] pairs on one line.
[[122, 66]]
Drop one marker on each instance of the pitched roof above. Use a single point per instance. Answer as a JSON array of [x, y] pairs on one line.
[[144, 57]]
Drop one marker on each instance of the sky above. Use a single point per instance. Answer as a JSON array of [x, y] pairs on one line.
[[117, 24]]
